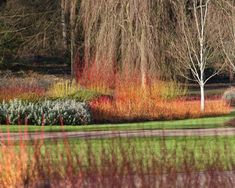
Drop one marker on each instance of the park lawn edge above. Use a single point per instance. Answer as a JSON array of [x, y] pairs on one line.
[[199, 123]]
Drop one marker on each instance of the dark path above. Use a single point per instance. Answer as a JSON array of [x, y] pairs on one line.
[[113, 134]]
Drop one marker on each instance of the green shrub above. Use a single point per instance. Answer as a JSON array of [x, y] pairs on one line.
[[45, 112]]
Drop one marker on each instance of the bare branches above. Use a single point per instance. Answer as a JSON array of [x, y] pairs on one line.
[[227, 32], [32, 26], [121, 32], [196, 32]]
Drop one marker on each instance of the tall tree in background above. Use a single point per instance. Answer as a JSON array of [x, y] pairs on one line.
[[64, 10], [35, 24], [123, 33], [73, 33], [70, 24], [227, 30]]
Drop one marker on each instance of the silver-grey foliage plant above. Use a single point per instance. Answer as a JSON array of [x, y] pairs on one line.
[[66, 112]]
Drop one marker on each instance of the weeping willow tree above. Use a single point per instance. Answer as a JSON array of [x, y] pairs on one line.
[[123, 32]]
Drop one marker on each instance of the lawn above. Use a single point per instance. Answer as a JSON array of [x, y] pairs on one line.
[[95, 161], [174, 150], [200, 123]]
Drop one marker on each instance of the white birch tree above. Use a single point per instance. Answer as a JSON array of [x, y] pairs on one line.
[[192, 48]]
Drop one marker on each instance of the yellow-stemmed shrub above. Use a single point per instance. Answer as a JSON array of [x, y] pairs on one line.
[[63, 89]]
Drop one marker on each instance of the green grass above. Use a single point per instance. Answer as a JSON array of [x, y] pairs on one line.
[[202, 150], [210, 122]]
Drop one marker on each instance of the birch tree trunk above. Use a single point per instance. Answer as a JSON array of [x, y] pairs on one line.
[[202, 90]]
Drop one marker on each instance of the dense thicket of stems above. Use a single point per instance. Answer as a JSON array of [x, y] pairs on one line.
[[125, 33]]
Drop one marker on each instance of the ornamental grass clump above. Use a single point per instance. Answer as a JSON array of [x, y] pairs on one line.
[[45, 112], [71, 90], [63, 89]]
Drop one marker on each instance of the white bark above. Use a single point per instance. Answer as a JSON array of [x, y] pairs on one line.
[[201, 60], [202, 90], [197, 51]]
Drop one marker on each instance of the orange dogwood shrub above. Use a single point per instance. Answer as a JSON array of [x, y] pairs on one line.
[[116, 110], [125, 99]]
